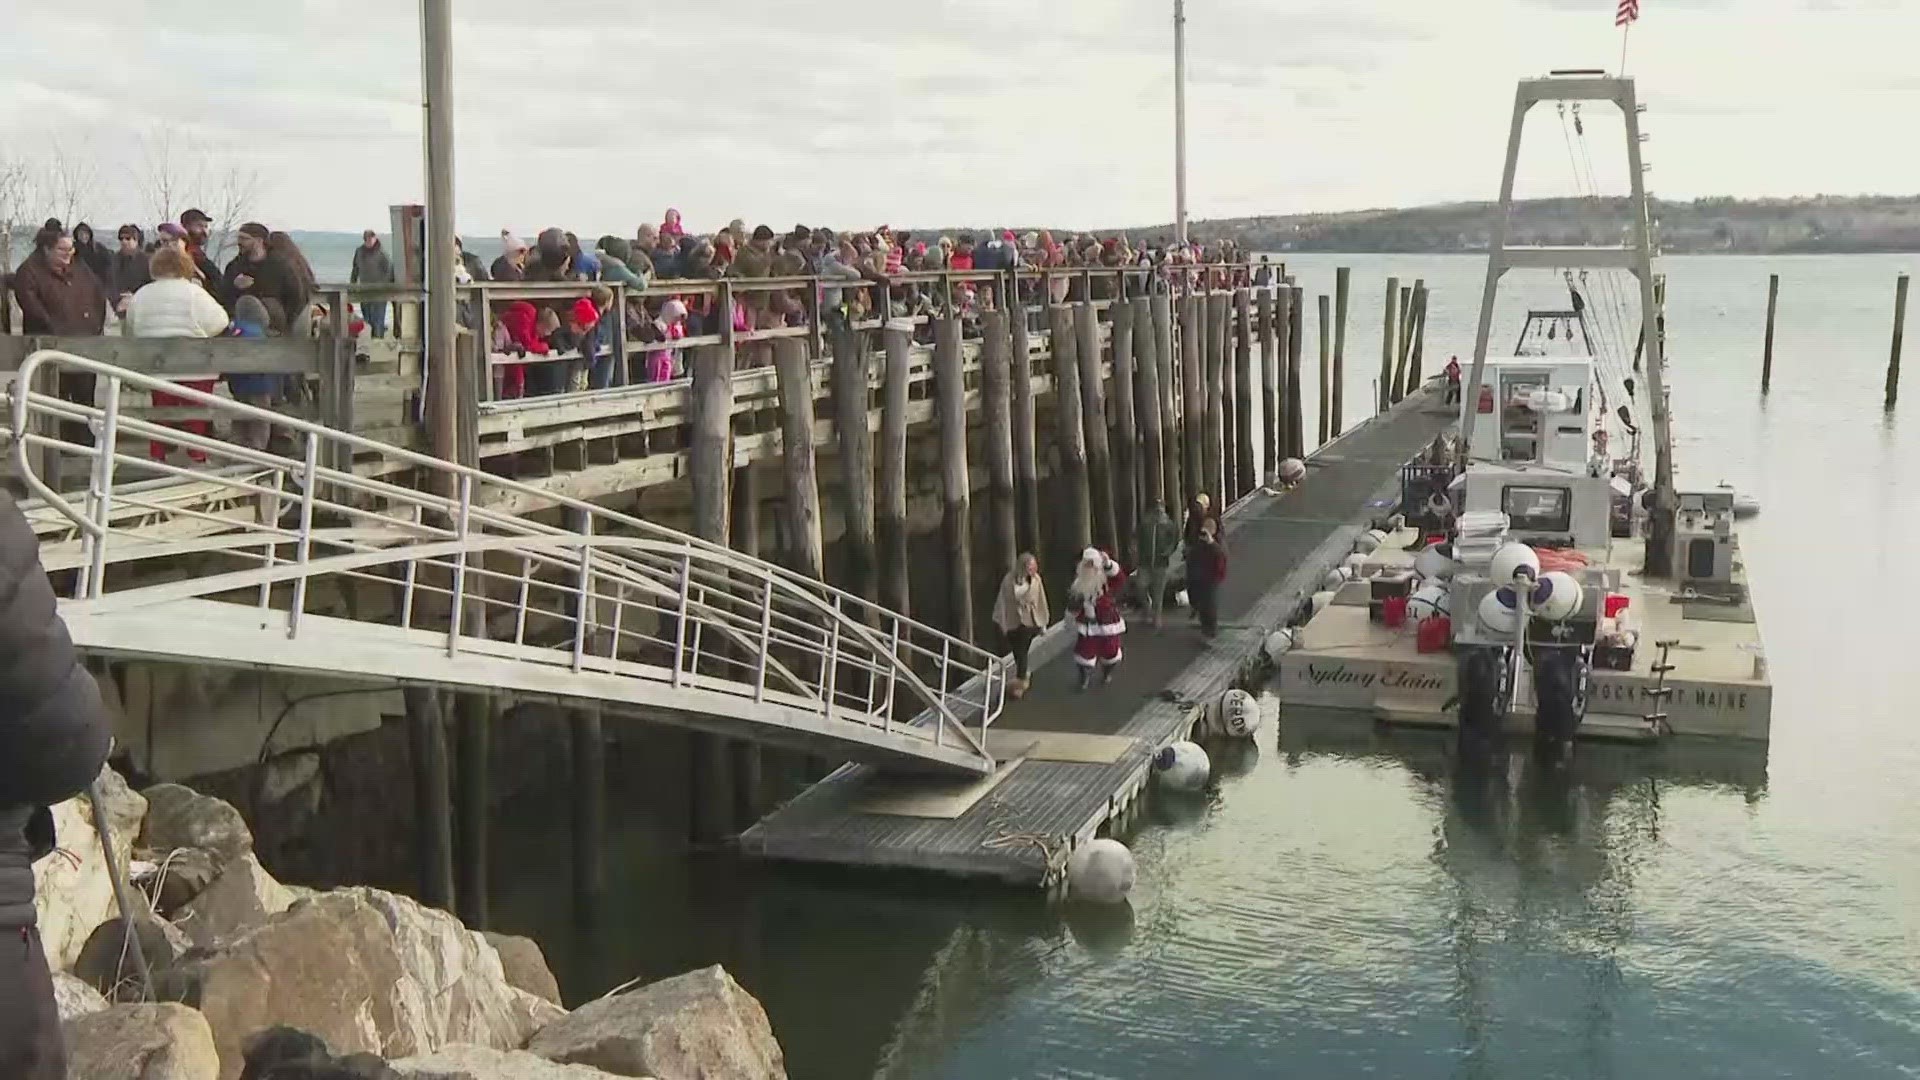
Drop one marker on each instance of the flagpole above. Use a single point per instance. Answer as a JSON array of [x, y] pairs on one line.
[[1624, 31]]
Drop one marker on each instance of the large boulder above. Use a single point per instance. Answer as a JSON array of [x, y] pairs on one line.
[[107, 963], [241, 898], [73, 892], [480, 1063], [142, 1042], [179, 876], [698, 1026], [180, 817], [525, 965], [74, 998]]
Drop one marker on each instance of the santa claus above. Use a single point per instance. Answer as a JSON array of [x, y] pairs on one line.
[[1094, 602]]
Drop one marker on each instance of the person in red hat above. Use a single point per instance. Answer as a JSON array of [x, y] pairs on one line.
[[1093, 603]]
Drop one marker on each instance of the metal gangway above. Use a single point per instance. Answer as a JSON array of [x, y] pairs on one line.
[[295, 563]]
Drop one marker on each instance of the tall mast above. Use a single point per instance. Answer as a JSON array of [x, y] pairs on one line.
[[436, 77], [1180, 120]]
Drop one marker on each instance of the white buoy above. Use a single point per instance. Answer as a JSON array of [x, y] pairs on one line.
[[1428, 601], [1498, 612], [1101, 871], [1368, 542], [1321, 599], [1337, 577], [1278, 643], [1357, 563], [1557, 596], [1182, 766], [1180, 599], [1239, 713], [1292, 471], [1549, 401], [1434, 565], [1509, 560]]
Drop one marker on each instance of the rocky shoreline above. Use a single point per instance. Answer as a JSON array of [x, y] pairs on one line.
[[256, 980]]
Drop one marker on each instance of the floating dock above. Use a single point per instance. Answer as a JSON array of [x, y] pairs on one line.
[[1073, 761]]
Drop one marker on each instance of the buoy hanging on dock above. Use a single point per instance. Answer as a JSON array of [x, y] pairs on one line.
[[1337, 577], [1435, 564], [1182, 766], [1321, 599], [1511, 559], [1428, 601], [1292, 471], [1357, 563], [1368, 542], [1277, 644], [1101, 871], [1499, 610], [1557, 596], [1239, 714]]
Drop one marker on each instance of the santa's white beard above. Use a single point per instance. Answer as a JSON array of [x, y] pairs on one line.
[[1088, 583]]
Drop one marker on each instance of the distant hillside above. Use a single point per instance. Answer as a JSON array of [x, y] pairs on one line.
[[1819, 223]]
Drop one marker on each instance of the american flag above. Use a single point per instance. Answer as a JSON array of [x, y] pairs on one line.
[[1627, 12]]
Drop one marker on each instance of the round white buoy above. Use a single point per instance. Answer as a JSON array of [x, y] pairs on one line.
[[1337, 577], [1292, 471], [1368, 542], [1510, 559], [1101, 871], [1239, 713], [1321, 599], [1182, 766], [1557, 596], [1278, 643], [1434, 565], [1499, 612], [1357, 563], [1180, 599], [1428, 601]]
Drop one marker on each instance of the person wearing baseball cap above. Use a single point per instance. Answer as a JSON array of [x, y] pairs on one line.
[[199, 227]]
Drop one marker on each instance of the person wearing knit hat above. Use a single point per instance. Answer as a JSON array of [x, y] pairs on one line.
[[512, 263], [1199, 512], [1093, 604]]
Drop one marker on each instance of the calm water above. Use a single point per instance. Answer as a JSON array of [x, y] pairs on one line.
[[1335, 908]]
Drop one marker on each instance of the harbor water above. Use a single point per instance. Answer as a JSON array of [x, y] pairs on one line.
[[1336, 906]]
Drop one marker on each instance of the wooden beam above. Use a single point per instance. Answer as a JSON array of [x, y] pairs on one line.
[[1126, 441], [182, 357], [1326, 370], [1193, 392], [1093, 415], [1343, 286], [1247, 478], [1269, 376], [950, 406], [855, 437], [709, 440], [589, 806], [1026, 466], [802, 503], [1146, 406], [432, 795], [892, 459], [1076, 526], [1214, 415], [1296, 340], [1390, 322], [996, 409], [1164, 369]]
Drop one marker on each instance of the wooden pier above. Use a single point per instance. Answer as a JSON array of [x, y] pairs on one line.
[[1075, 761]]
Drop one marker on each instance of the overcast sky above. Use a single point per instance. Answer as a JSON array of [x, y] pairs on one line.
[[596, 114]]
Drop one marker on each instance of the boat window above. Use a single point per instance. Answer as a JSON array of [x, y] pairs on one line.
[[1537, 509], [1519, 425]]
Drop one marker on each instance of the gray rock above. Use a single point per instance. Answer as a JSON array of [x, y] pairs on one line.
[[179, 817], [106, 962], [142, 1042], [698, 1026], [480, 1063], [525, 965], [182, 875], [74, 998], [73, 892], [242, 897]]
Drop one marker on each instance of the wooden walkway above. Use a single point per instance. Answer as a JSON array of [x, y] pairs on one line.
[[1076, 760]]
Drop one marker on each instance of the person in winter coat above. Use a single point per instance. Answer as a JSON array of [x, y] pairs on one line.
[[1093, 603], [372, 266], [520, 320], [512, 263], [199, 230], [174, 305], [1020, 611], [298, 302], [1159, 541], [128, 271], [1199, 512], [1206, 569], [616, 263], [54, 738], [88, 249], [256, 272], [58, 293], [670, 228]]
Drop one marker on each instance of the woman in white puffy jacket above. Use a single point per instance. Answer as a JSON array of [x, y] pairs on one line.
[[175, 305]]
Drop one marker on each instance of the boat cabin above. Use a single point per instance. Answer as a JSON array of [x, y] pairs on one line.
[[1534, 453]]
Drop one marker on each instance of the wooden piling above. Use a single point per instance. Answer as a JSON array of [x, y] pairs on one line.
[[1126, 440], [1193, 394], [1266, 306], [432, 795], [746, 765], [1093, 416], [891, 526], [1403, 344], [996, 413], [854, 438], [950, 411], [1229, 414], [1164, 370], [709, 801], [1026, 465], [1419, 338], [1899, 332], [1766, 356], [1076, 523], [1326, 369], [1249, 470], [1213, 444], [589, 798], [793, 372], [1390, 323], [1296, 341], [473, 731], [1342, 286], [1147, 405]]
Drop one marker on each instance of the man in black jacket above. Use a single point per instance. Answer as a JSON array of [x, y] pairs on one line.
[[54, 737]]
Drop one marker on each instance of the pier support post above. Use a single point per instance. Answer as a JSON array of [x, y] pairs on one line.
[[745, 756], [892, 461], [1161, 306], [855, 440], [1296, 341], [1076, 526], [1766, 355], [1419, 335], [1248, 477], [1193, 394], [1390, 321], [1326, 370], [1342, 287], [1899, 332], [1401, 387], [1213, 447], [1126, 439], [1146, 405], [1093, 416], [1026, 464], [792, 370], [710, 462], [432, 795], [474, 730], [950, 411], [996, 409], [1229, 416], [1266, 306], [589, 816]]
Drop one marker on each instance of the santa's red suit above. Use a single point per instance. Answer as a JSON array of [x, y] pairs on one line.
[[1097, 623]]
